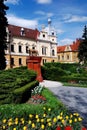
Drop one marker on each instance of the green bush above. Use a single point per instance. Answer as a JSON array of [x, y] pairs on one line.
[[22, 94], [13, 79], [64, 72]]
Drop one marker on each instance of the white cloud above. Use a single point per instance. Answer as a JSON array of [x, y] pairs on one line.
[[12, 19], [65, 41], [14, 2], [40, 12], [49, 14], [44, 1], [75, 18]]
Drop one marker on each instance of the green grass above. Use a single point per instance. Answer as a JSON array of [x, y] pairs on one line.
[[23, 110], [75, 85]]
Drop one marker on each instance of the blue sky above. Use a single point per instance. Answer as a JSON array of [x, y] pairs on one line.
[[68, 16]]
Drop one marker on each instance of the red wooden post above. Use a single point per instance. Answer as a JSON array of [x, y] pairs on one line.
[[33, 62]]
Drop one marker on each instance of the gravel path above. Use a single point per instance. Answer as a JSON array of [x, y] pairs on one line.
[[74, 98]]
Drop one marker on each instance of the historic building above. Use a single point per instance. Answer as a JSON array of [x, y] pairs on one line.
[[23, 42], [68, 53]]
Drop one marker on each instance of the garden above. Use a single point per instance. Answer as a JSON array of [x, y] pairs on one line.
[[25, 105]]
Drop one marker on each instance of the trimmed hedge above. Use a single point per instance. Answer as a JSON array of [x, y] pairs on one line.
[[13, 79], [21, 95], [64, 72]]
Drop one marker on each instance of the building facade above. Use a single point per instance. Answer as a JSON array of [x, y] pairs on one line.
[[23, 42], [68, 53]]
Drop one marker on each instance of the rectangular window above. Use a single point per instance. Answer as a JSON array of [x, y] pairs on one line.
[[58, 57], [44, 61], [44, 50], [20, 61], [62, 57], [20, 48], [67, 57], [12, 48], [26, 49], [12, 61]]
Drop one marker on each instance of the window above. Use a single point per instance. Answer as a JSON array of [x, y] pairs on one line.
[[20, 61], [27, 49], [58, 57], [12, 61], [44, 61], [53, 53], [67, 57], [43, 35], [12, 48], [33, 47], [43, 50], [52, 33], [20, 48], [62, 57], [53, 61]]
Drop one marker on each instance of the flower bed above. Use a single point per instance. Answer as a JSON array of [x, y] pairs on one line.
[[48, 120]]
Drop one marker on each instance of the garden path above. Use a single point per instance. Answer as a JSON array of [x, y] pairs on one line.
[[74, 98]]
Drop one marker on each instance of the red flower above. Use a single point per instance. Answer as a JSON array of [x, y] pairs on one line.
[[84, 128], [58, 128], [68, 128]]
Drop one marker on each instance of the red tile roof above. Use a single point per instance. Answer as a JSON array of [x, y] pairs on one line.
[[28, 33], [74, 46], [61, 48]]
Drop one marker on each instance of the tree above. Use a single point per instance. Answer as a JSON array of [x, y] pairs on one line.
[[82, 50], [3, 34]]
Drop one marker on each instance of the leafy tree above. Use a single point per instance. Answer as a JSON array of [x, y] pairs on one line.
[[3, 34], [82, 54]]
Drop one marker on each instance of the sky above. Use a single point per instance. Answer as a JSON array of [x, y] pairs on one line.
[[68, 16]]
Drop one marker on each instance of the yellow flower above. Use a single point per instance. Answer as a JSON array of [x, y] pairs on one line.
[[63, 121], [71, 116], [42, 120], [4, 121], [79, 119], [44, 115], [58, 117], [42, 126], [54, 119], [9, 123], [10, 120], [29, 122], [76, 114], [49, 119], [38, 120], [36, 116], [16, 122], [14, 129], [25, 128], [75, 120], [3, 127], [44, 108], [22, 121], [61, 113], [67, 117], [30, 115], [16, 119], [33, 125], [49, 109], [70, 121], [61, 117], [49, 124]]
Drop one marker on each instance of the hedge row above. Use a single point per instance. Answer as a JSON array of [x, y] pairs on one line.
[[14, 79], [64, 72]]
